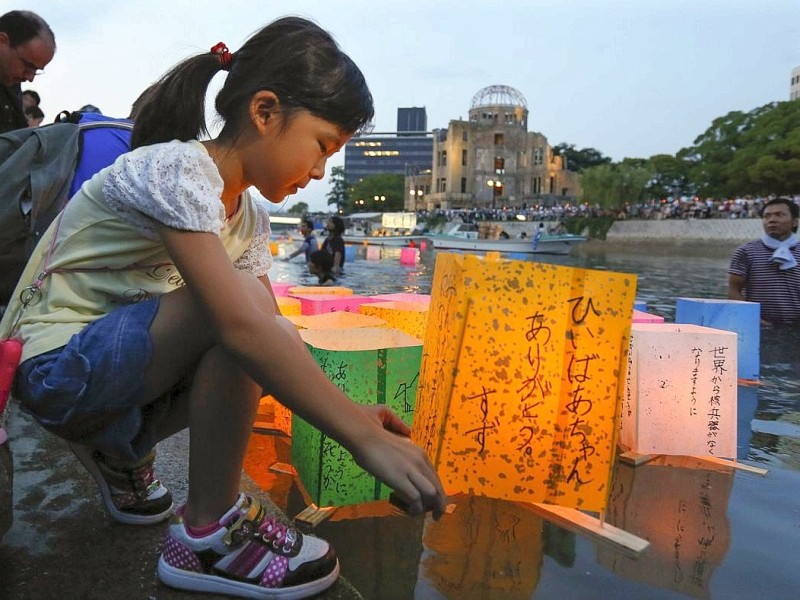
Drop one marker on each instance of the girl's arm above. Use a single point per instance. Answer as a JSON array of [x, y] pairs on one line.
[[242, 315]]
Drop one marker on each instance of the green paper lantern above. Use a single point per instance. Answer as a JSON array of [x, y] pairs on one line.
[[370, 365]]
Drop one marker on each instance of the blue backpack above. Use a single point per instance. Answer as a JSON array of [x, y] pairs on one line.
[[37, 167]]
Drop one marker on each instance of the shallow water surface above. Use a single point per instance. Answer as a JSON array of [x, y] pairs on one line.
[[714, 532]]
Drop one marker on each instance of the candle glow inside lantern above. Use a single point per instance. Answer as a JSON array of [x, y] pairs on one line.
[[680, 391], [371, 366]]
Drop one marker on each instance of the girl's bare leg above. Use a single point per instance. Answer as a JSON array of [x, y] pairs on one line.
[[219, 408]]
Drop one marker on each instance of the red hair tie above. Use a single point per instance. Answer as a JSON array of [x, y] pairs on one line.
[[225, 56]]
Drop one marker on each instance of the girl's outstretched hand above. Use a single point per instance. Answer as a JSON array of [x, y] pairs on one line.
[[389, 455]]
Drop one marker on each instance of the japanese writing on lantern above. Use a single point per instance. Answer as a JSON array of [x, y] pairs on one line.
[[582, 326], [444, 315], [696, 352], [336, 372], [406, 391], [487, 423], [534, 388], [719, 358], [334, 479], [628, 388]]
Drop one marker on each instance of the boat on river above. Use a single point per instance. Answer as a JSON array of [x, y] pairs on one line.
[[382, 229], [466, 237], [383, 240]]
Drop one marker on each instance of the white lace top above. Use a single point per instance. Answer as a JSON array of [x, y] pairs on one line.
[[178, 184]]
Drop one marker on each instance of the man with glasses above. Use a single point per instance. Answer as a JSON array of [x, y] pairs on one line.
[[27, 45]]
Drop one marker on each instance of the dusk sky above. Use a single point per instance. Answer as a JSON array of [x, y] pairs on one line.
[[631, 78]]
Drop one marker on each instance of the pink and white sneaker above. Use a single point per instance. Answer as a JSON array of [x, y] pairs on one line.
[[249, 555]]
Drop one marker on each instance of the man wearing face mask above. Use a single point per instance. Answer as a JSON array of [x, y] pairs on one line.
[[27, 45]]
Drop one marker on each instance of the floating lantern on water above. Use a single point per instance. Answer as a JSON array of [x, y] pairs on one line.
[[409, 256], [337, 320], [288, 305], [272, 415], [281, 288], [680, 391], [645, 317], [317, 304], [373, 252], [370, 365], [402, 297], [743, 318], [519, 385], [328, 290]]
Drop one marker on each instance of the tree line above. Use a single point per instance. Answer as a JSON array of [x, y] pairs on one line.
[[742, 153]]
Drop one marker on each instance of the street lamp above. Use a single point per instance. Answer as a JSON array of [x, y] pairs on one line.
[[416, 197], [497, 189]]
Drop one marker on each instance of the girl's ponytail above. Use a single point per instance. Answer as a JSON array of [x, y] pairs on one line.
[[174, 108]]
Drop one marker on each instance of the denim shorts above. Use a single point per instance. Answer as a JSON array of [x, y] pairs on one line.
[[92, 389]]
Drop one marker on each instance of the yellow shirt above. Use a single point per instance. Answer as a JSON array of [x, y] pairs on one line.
[[104, 259]]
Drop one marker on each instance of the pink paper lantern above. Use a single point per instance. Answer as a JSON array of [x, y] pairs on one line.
[[317, 304], [409, 256], [646, 317]]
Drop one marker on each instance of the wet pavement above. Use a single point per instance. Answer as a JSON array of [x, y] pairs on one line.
[[59, 542]]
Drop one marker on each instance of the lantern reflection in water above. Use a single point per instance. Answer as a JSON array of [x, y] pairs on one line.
[[487, 549], [680, 505]]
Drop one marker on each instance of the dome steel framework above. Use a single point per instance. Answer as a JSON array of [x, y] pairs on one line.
[[498, 95]]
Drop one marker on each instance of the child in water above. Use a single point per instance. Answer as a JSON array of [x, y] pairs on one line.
[[320, 263], [156, 314]]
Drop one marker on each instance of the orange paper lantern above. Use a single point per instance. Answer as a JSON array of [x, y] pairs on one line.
[[519, 384]]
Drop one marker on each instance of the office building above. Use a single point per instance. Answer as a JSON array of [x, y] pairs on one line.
[[407, 150]]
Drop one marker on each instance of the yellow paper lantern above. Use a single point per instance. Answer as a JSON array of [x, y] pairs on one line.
[[519, 385], [411, 317], [305, 290], [289, 306]]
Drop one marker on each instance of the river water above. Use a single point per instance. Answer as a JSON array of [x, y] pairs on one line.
[[714, 533]]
